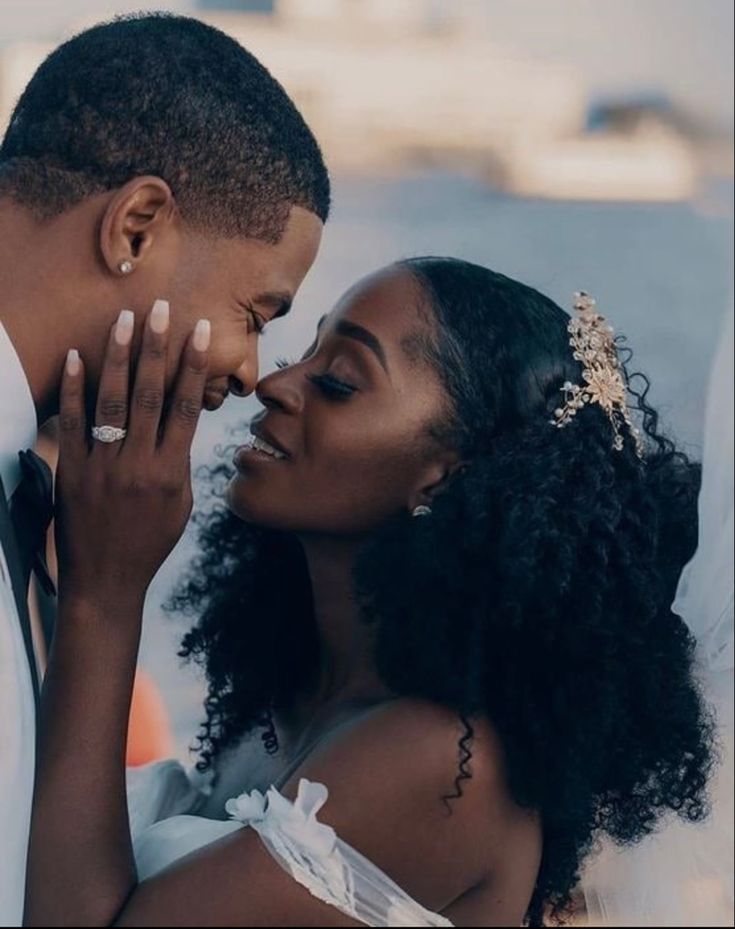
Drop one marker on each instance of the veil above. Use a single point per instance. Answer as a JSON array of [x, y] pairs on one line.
[[683, 874]]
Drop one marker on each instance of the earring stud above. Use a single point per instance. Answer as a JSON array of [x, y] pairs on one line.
[[125, 267], [422, 510]]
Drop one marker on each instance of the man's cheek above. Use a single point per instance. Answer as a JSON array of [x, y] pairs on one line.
[[220, 363]]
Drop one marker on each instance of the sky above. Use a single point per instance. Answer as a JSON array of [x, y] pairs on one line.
[[681, 47]]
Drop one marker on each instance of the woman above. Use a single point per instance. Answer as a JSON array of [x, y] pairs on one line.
[[442, 592]]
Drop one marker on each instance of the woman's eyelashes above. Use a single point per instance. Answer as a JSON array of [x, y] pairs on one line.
[[287, 362], [328, 384], [331, 386]]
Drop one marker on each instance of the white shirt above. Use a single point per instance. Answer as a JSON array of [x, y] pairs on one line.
[[17, 713]]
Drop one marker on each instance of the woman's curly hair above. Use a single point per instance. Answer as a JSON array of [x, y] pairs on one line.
[[537, 594]]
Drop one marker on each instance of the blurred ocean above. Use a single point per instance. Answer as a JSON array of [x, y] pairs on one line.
[[662, 274]]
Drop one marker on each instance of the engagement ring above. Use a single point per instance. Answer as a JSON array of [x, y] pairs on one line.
[[108, 433]]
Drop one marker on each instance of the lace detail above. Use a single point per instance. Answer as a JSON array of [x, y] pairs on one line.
[[328, 868], [292, 831]]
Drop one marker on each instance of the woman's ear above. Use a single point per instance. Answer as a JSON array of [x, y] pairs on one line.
[[434, 479], [134, 222]]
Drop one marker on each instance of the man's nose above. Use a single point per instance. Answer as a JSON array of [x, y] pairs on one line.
[[242, 382]]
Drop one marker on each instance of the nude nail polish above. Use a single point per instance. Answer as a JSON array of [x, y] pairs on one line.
[[124, 327]]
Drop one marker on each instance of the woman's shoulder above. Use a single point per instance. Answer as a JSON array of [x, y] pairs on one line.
[[420, 793], [428, 737]]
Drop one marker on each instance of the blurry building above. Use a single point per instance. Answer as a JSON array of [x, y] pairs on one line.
[[391, 84], [17, 64], [238, 6]]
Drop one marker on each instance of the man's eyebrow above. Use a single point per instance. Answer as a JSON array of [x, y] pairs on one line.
[[278, 300], [352, 331]]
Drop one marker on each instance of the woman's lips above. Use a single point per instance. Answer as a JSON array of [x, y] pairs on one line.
[[256, 450], [260, 434]]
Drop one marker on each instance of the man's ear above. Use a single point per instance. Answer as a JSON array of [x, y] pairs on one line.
[[135, 217], [435, 478]]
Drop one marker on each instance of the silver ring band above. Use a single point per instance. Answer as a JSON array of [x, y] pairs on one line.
[[108, 433]]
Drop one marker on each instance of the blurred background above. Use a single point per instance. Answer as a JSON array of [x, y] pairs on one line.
[[573, 144]]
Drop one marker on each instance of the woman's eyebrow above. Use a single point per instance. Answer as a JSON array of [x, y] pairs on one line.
[[352, 331]]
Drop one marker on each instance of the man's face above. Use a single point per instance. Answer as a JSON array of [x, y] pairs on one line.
[[240, 285]]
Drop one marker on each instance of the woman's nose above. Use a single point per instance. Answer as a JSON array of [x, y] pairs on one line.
[[280, 390]]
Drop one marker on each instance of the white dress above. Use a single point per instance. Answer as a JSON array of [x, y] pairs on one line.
[[163, 802], [682, 875], [18, 717]]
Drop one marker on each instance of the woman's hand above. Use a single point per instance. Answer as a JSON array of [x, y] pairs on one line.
[[122, 506]]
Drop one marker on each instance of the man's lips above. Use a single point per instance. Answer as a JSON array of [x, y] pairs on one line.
[[213, 398]]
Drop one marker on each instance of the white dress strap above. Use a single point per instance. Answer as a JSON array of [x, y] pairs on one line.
[[326, 866]]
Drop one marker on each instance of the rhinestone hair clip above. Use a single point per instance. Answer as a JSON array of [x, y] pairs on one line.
[[593, 345]]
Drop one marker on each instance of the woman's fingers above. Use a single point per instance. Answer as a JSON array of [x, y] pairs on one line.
[[72, 418], [147, 399], [112, 397], [107, 496], [186, 405], [141, 411]]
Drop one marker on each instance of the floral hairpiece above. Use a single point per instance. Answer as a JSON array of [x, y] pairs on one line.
[[594, 346]]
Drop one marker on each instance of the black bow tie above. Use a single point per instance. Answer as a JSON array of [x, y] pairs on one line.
[[31, 511]]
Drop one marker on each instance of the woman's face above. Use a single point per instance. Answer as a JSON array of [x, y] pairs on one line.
[[350, 421]]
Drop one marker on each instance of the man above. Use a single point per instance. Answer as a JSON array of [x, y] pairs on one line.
[[151, 158]]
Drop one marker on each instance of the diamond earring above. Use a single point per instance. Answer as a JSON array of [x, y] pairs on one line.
[[125, 267], [422, 510]]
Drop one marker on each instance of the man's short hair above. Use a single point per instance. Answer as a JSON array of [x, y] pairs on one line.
[[172, 97]]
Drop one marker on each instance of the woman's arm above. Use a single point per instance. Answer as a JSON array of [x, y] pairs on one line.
[[120, 509], [80, 863]]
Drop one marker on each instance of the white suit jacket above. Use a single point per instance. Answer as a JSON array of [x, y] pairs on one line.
[[17, 713]]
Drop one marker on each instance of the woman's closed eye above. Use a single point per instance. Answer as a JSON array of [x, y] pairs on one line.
[[332, 387], [329, 385]]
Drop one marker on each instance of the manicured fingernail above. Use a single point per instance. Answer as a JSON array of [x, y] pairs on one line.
[[72, 362], [159, 316], [124, 327], [202, 335]]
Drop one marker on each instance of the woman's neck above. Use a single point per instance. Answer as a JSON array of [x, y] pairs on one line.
[[346, 670]]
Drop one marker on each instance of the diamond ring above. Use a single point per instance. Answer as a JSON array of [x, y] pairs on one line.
[[108, 433]]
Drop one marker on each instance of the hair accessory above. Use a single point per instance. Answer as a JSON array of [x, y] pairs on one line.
[[594, 346]]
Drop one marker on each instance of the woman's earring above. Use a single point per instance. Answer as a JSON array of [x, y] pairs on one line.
[[422, 510], [125, 267]]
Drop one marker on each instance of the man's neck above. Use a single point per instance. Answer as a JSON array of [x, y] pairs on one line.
[[36, 265]]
